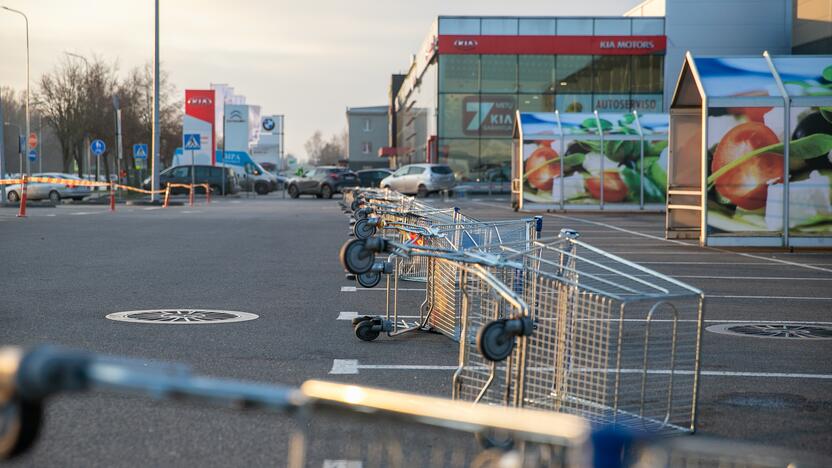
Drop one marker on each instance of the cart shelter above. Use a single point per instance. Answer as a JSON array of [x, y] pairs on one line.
[[750, 147], [589, 161]]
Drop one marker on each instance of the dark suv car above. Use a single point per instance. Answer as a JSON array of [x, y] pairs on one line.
[[322, 181], [211, 175], [372, 177]]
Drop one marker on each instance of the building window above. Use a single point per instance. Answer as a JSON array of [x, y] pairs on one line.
[[574, 73], [648, 73], [499, 73], [459, 73], [368, 125], [537, 73], [612, 73], [367, 147]]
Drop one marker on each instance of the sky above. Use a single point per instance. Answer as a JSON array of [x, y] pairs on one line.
[[308, 60]]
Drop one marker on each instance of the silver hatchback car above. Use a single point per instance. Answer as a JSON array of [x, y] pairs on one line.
[[420, 179], [54, 192]]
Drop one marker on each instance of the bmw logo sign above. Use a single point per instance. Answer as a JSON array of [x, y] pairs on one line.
[[268, 124]]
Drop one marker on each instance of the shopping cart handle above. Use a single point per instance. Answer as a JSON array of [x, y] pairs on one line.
[[376, 244], [46, 370]]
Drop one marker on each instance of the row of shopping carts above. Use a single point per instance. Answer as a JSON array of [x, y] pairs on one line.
[[545, 323], [333, 425]]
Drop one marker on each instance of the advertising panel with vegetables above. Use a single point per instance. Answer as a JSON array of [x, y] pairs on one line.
[[592, 168]]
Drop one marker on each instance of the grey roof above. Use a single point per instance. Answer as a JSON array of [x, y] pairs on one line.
[[368, 110]]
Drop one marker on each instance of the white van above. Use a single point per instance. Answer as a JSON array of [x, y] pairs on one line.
[[251, 174]]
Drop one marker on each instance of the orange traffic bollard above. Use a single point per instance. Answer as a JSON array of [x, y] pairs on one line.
[[167, 196], [207, 193], [112, 197], [22, 212], [191, 195]]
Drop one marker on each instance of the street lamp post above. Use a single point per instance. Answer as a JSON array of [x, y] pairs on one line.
[[155, 143], [26, 19]]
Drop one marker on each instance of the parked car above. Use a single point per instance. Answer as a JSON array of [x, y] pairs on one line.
[[420, 179], [372, 177], [54, 192], [211, 175], [323, 182]]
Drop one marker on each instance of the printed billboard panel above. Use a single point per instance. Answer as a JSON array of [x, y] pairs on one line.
[[200, 115], [236, 127]]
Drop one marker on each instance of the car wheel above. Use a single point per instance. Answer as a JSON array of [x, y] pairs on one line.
[[54, 197], [293, 191], [422, 192], [12, 196], [261, 188], [326, 191]]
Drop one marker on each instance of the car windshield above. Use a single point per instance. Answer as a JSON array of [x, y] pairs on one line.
[[441, 170]]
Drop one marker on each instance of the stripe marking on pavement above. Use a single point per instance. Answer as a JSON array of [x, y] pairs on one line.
[[351, 366], [348, 288]]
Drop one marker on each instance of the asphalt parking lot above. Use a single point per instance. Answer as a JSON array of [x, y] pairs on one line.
[[67, 267]]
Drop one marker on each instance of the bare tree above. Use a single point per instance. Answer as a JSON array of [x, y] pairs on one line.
[[326, 153], [60, 101]]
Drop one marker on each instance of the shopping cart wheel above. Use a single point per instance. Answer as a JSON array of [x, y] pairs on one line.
[[356, 258], [369, 279], [365, 332], [494, 341], [495, 440], [363, 228], [20, 423], [355, 205]]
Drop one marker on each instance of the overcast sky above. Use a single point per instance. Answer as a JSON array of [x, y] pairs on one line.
[[306, 59]]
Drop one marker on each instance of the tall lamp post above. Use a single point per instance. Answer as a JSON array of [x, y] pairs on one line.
[[155, 140], [25, 18]]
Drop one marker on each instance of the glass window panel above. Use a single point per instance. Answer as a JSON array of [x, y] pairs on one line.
[[612, 73], [499, 73], [461, 155], [499, 26], [495, 161], [536, 103], [648, 73], [495, 118], [573, 102], [574, 73], [537, 27], [459, 73], [612, 26], [574, 27], [648, 26], [647, 103], [611, 102], [456, 115], [537, 73], [459, 25]]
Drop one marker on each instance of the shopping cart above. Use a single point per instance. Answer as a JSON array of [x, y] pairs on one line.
[[327, 424], [425, 247], [614, 342]]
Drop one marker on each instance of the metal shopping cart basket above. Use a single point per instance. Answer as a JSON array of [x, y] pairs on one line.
[[325, 424], [440, 310], [614, 342]]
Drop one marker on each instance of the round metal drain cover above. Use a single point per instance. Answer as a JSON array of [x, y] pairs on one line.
[[774, 330], [181, 316]]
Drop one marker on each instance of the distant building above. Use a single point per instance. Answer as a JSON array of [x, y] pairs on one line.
[[367, 128], [812, 30]]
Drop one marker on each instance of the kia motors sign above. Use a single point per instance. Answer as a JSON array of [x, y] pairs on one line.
[[547, 45], [488, 115], [199, 119]]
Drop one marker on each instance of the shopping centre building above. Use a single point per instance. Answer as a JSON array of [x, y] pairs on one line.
[[457, 101]]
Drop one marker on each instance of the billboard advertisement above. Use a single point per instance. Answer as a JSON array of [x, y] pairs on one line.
[[236, 127], [199, 118]]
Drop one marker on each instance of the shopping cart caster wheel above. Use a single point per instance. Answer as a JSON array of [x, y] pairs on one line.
[[495, 440], [355, 205], [356, 258], [20, 423], [364, 331], [494, 341], [369, 279], [363, 229]]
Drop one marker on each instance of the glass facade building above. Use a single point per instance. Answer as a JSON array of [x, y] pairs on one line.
[[459, 98]]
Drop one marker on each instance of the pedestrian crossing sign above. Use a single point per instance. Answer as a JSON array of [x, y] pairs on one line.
[[191, 141]]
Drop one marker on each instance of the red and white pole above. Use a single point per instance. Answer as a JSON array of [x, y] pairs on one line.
[[191, 196], [112, 197], [167, 196], [23, 196], [208, 193]]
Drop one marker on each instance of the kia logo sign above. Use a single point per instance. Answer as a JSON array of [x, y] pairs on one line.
[[466, 44], [200, 101]]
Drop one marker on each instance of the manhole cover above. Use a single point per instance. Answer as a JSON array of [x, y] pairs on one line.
[[181, 316], [774, 330]]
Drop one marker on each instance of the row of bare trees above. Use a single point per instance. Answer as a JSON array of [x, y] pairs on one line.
[[76, 103], [323, 152]]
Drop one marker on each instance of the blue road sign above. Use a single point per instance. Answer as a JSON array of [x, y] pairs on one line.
[[98, 147], [140, 151], [191, 141], [33, 155]]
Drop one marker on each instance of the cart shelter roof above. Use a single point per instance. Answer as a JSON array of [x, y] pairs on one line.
[[552, 125]]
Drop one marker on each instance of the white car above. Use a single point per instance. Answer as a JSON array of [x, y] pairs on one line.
[[54, 192], [420, 179]]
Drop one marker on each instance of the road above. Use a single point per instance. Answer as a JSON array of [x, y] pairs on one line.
[[66, 268]]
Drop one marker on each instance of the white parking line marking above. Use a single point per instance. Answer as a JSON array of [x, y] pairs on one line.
[[791, 298], [80, 213], [347, 315], [385, 289], [348, 288], [189, 212], [152, 208], [351, 366]]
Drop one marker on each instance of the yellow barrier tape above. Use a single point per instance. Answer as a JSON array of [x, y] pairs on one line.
[[11, 181], [91, 183]]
